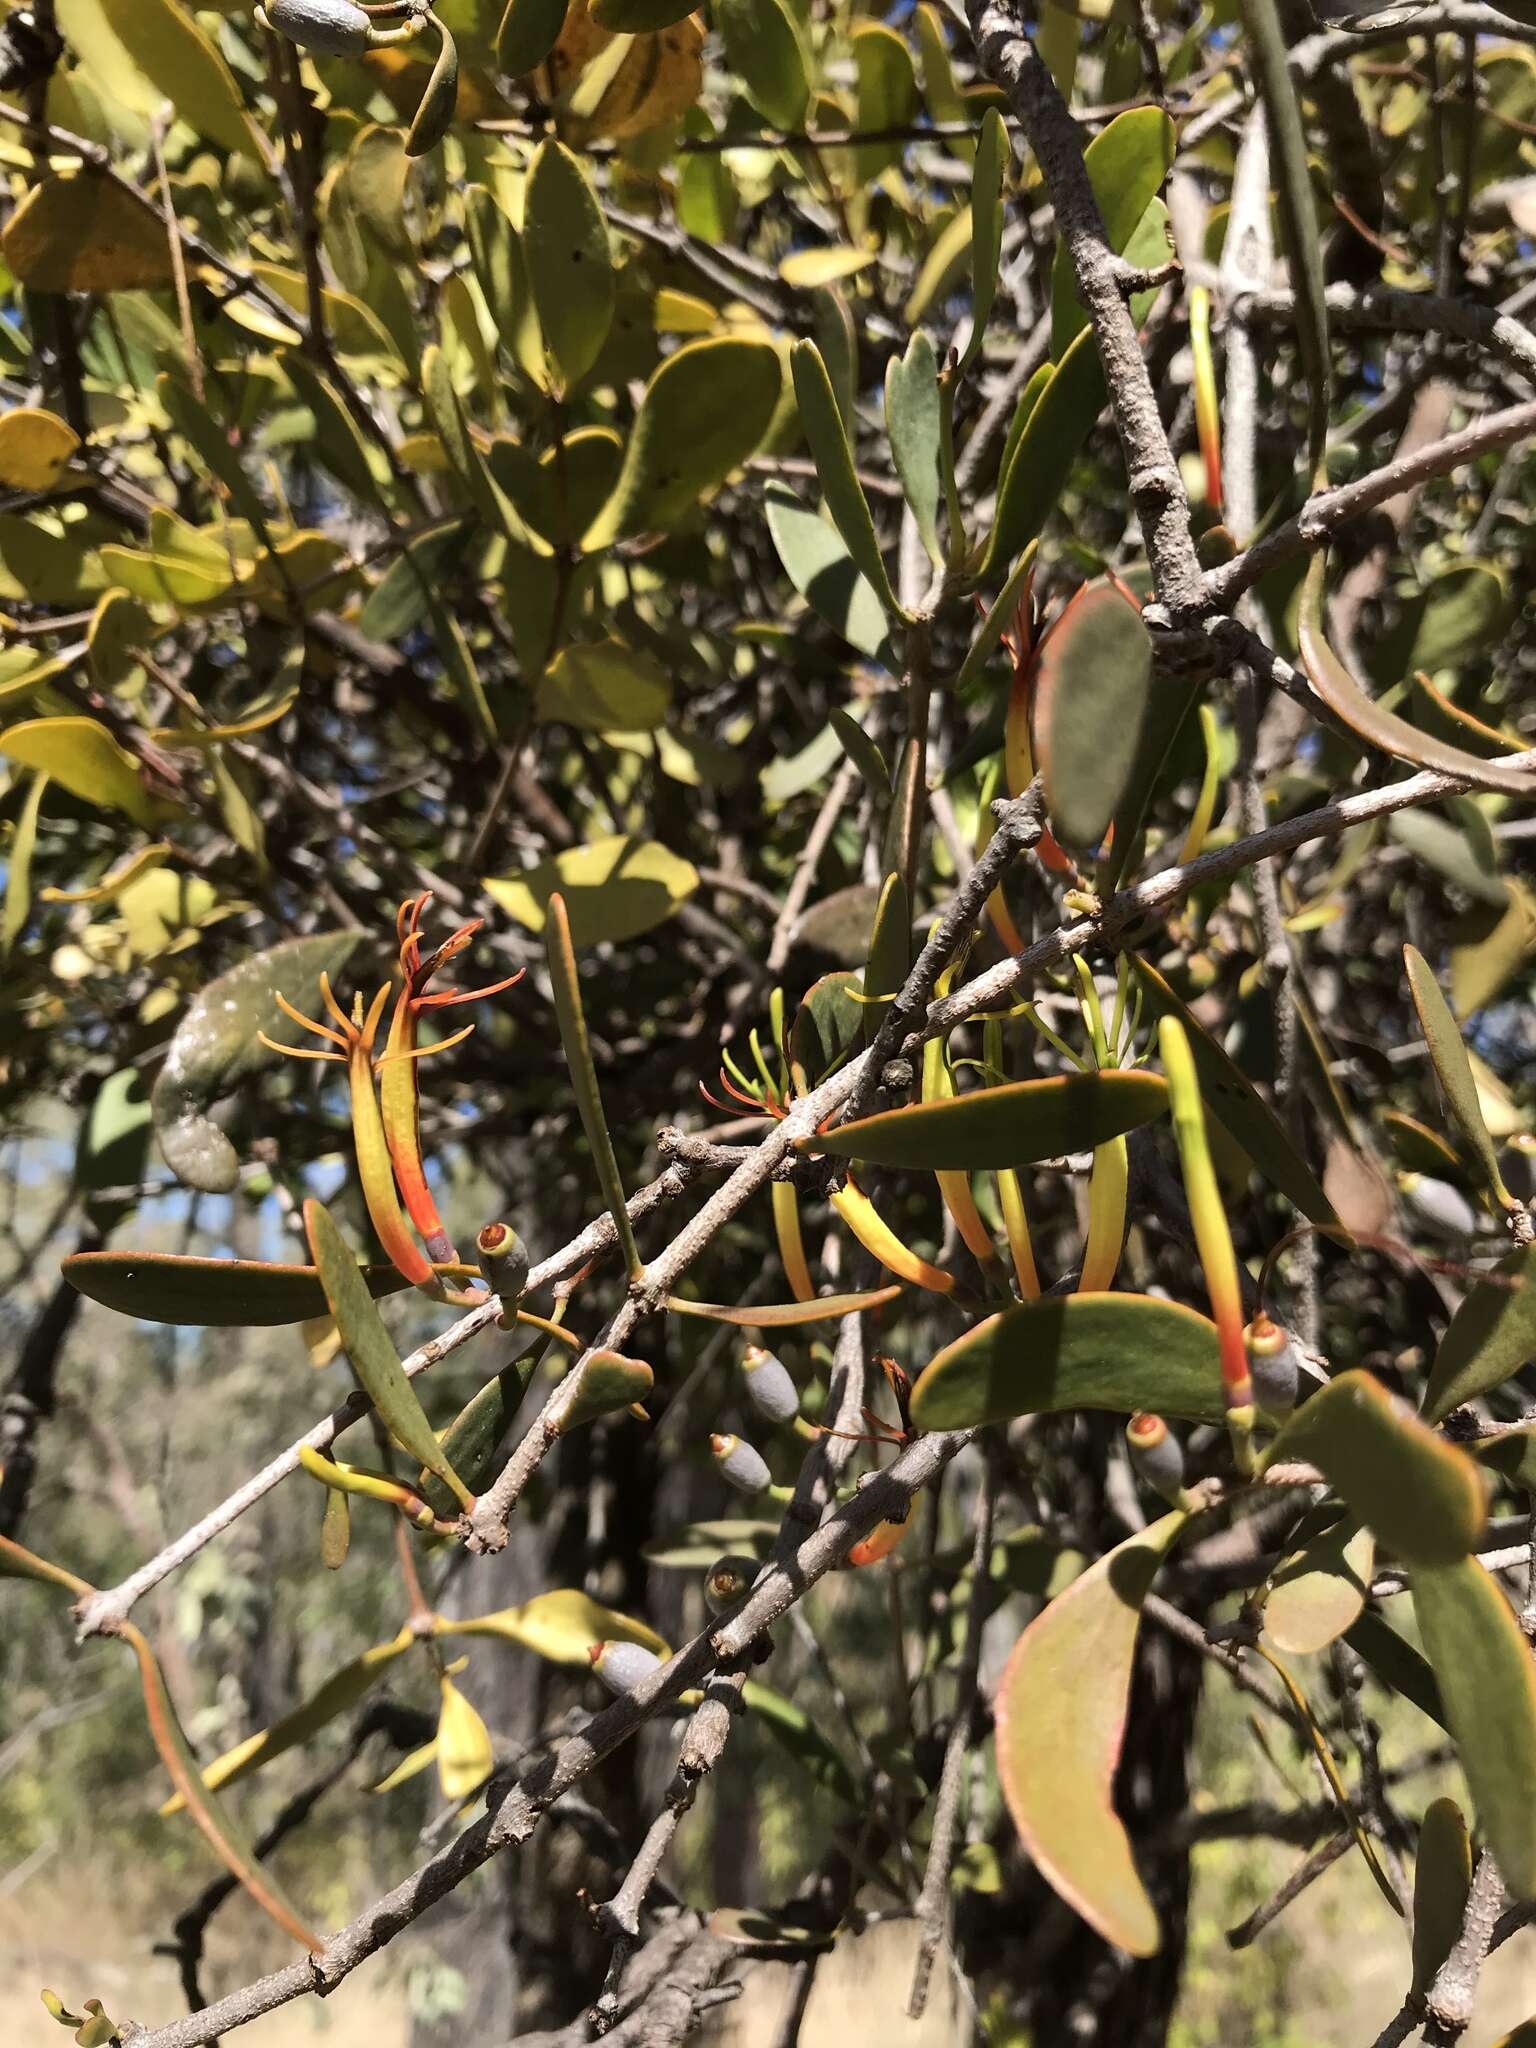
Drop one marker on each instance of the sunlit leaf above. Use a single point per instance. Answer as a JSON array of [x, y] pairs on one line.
[[782, 1315], [1319, 1591], [561, 1626], [1442, 1878], [1060, 1711], [1001, 1127], [614, 888]]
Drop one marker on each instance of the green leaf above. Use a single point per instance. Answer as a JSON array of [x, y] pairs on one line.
[[166, 1287], [1488, 1683], [704, 411], [766, 57], [1490, 1337], [1059, 419], [994, 155], [1118, 1352], [473, 1438], [827, 438], [114, 1135], [885, 94], [179, 60], [1320, 1590], [614, 889], [818, 563], [603, 686], [890, 953], [1093, 683], [606, 1384], [465, 1755], [914, 426], [561, 1626], [434, 115], [828, 1025], [1237, 1105], [372, 1353], [1002, 1127], [1344, 697], [565, 984], [783, 1315], [1126, 165], [863, 753], [637, 17], [343, 1689], [570, 265], [1442, 1878], [1297, 214], [216, 1047], [1467, 857], [793, 1728], [1449, 1058], [1421, 1495], [218, 1828], [1397, 1664], [338, 442], [464, 458], [82, 756], [1060, 1709], [529, 30], [18, 870]]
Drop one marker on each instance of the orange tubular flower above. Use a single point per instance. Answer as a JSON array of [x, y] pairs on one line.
[[355, 1039], [398, 1087]]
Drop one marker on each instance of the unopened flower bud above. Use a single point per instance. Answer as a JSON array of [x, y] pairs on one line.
[[1157, 1455], [503, 1262], [332, 28], [621, 1666], [769, 1387], [739, 1463], [1271, 1365], [728, 1578]]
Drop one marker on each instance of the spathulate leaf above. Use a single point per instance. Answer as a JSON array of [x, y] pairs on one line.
[[1060, 1709], [606, 1383], [1488, 1683], [1093, 683], [703, 413], [1237, 1105], [1007, 1126], [783, 1315], [168, 1287], [371, 1350], [81, 232], [913, 425], [1119, 1352], [764, 51], [1491, 1335], [1448, 1055], [219, 1829], [817, 562], [181, 62], [216, 1046], [604, 686], [465, 1756], [570, 265], [561, 1626], [35, 448], [827, 439], [1421, 1495], [529, 31], [1319, 1591], [1126, 165], [82, 757], [343, 1689], [1442, 1878], [614, 888], [1378, 727]]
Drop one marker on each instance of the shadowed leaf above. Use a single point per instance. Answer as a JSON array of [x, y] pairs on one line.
[[1442, 1878], [1489, 1338], [1449, 1056], [165, 1287]]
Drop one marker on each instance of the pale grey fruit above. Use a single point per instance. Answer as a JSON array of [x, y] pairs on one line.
[[1157, 1455], [743, 1466], [1272, 1367], [334, 28], [621, 1666], [769, 1387]]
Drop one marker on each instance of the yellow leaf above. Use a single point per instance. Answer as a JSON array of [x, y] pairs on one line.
[[34, 448], [83, 232], [823, 266], [464, 1755], [562, 1626], [83, 758], [614, 888]]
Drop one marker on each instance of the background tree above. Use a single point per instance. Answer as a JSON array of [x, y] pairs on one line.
[[959, 585]]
